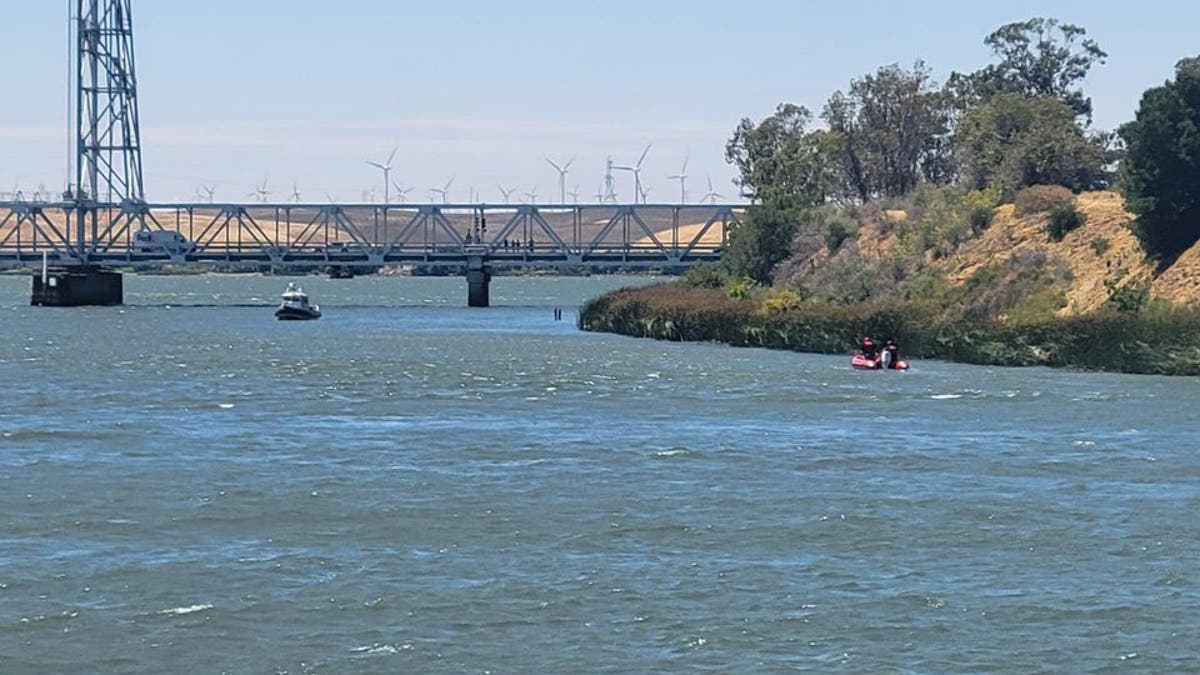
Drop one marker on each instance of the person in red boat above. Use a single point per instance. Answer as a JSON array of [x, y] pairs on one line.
[[890, 355], [868, 348]]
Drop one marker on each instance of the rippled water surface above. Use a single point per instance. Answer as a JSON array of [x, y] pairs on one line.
[[187, 485]]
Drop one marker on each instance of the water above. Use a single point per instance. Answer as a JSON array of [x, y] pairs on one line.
[[187, 485]]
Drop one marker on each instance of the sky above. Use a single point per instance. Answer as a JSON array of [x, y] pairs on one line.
[[301, 93]]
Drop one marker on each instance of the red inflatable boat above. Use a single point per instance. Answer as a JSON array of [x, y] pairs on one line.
[[860, 362]]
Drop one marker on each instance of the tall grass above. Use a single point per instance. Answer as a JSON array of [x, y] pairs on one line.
[[1162, 342]]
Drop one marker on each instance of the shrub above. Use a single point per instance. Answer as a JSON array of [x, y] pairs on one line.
[[705, 276], [837, 230], [740, 289], [981, 218], [1041, 199], [1063, 218], [1129, 299], [1028, 283], [780, 301], [1099, 245]]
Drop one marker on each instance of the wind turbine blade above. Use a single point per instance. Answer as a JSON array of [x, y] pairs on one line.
[[685, 163], [556, 167], [568, 165], [378, 165], [449, 183], [392, 156], [644, 153]]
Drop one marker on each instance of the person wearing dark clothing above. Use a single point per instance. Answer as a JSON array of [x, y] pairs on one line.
[[891, 354]]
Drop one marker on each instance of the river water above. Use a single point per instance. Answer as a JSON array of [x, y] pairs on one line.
[[187, 485]]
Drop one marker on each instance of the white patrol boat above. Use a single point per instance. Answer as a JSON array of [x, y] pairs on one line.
[[295, 306]]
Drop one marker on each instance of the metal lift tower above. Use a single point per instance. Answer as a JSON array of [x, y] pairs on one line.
[[108, 137], [108, 153]]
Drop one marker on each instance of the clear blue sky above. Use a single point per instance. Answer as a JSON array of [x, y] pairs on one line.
[[305, 91]]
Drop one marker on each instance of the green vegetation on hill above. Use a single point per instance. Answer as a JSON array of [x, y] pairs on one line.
[[881, 222], [1161, 170]]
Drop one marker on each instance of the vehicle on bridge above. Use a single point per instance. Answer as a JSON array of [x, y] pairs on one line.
[[162, 241]]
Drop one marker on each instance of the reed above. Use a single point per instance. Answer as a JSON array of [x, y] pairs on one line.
[[1163, 341]]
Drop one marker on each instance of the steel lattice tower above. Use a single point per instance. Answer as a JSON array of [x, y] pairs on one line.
[[109, 148]]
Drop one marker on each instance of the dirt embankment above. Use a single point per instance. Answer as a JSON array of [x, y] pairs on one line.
[[1103, 250]]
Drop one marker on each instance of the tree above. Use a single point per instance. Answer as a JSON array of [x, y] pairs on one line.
[[1038, 57], [1015, 141], [890, 130], [1161, 172], [780, 158], [763, 240]]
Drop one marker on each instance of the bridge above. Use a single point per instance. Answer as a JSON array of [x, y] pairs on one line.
[[105, 224], [343, 238]]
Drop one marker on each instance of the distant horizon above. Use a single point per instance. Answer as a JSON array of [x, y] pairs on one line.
[[512, 86]]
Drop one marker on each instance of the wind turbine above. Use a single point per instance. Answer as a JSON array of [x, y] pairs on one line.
[[712, 194], [401, 192], [386, 168], [205, 193], [636, 170], [295, 192], [574, 195], [444, 191], [600, 194], [507, 193], [532, 195], [260, 191], [610, 186], [682, 178], [562, 178]]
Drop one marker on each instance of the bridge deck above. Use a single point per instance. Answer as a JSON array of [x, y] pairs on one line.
[[322, 235]]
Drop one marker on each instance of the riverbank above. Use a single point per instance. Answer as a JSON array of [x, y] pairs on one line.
[[1162, 342]]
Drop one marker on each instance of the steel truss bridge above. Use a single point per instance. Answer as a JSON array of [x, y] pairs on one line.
[[105, 221], [315, 236]]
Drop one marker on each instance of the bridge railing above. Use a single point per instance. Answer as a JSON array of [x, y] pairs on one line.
[[375, 234]]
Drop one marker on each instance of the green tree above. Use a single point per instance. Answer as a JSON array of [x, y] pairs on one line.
[[780, 158], [1039, 58], [1014, 141], [763, 240], [1161, 172], [890, 131]]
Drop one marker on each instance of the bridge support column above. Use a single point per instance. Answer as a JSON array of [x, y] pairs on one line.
[[479, 278], [77, 287]]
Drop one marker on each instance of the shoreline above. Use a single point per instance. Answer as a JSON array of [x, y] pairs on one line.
[[1144, 344]]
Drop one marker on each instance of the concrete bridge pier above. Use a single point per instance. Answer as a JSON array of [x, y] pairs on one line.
[[77, 287], [479, 278]]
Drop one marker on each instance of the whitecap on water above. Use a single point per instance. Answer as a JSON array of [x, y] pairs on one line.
[[382, 649], [225, 406], [945, 397], [182, 611]]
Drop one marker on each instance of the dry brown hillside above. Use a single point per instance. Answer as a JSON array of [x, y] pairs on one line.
[[1180, 283], [1102, 249]]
